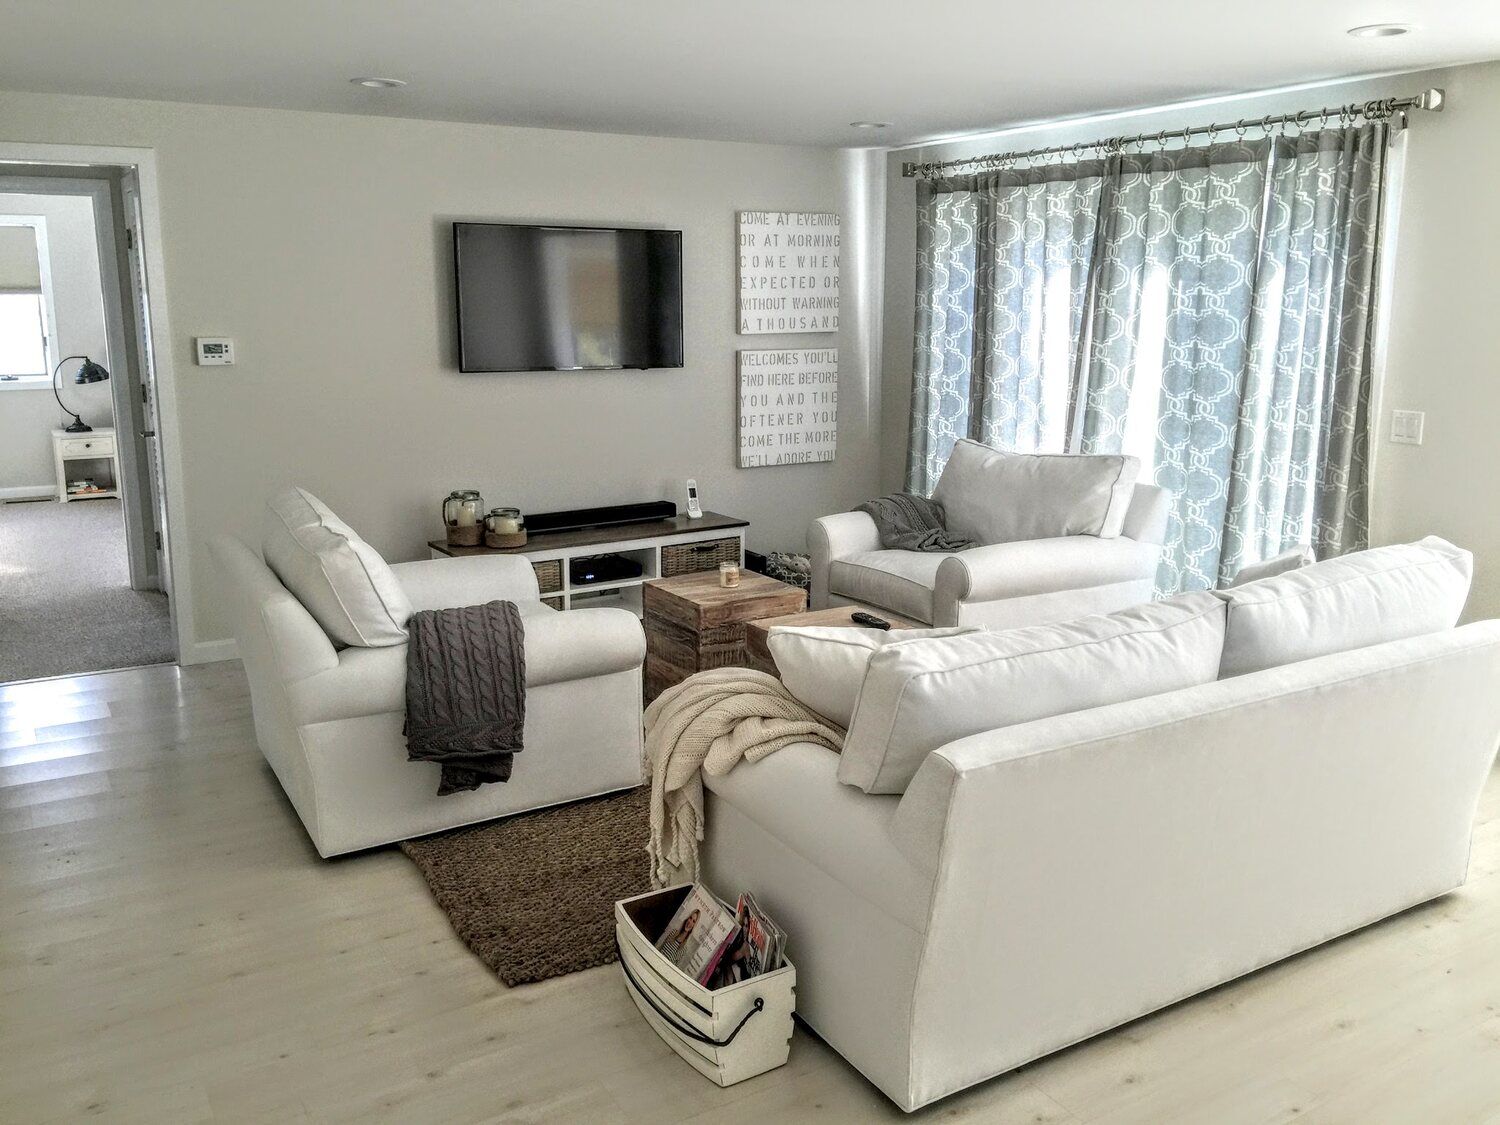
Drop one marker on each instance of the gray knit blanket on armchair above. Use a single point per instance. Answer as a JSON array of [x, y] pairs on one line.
[[466, 692]]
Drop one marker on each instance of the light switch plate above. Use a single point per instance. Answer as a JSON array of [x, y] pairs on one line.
[[1407, 426], [214, 351]]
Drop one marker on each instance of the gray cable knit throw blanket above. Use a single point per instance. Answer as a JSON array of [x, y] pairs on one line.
[[908, 522], [466, 692]]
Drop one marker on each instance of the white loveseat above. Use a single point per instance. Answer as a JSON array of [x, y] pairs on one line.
[[329, 716], [1016, 889], [1058, 537]]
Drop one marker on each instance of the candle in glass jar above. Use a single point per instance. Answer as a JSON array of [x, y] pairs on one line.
[[467, 516], [507, 525], [729, 575]]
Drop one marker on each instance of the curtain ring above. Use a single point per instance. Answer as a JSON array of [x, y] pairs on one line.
[[1265, 123], [1240, 128], [1161, 140], [1187, 136]]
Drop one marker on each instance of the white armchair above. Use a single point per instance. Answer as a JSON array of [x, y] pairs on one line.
[[329, 720], [1003, 585]]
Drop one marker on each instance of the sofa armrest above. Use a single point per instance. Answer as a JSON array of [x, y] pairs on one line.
[[560, 647], [469, 580], [1038, 566], [836, 537]]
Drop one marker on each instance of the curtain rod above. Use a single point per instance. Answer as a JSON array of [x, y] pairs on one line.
[[1372, 110]]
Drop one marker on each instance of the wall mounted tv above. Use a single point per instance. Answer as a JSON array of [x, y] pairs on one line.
[[552, 298]]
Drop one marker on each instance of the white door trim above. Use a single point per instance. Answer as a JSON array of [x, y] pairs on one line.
[[143, 160]]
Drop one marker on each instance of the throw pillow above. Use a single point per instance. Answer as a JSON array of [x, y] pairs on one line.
[[1295, 559], [1367, 598], [339, 578], [921, 694], [823, 666], [994, 497]]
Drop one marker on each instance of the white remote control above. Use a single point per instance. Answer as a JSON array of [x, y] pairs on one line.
[[695, 510]]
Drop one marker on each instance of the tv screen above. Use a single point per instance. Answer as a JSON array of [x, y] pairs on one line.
[[542, 298]]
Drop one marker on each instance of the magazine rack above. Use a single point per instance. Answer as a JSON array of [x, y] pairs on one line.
[[727, 1034]]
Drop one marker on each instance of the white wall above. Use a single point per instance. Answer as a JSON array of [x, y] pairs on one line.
[[1440, 349], [28, 415], [321, 243]]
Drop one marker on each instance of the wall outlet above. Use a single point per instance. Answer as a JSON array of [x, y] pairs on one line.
[[214, 351], [1407, 426]]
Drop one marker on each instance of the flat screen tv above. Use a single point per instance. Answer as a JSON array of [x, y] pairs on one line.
[[551, 298]]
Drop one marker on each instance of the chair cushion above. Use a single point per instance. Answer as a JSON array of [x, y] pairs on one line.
[[339, 578], [900, 581], [823, 666], [1294, 559], [921, 694], [991, 496], [1367, 598]]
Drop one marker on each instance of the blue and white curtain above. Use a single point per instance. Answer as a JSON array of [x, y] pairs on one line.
[[1208, 310]]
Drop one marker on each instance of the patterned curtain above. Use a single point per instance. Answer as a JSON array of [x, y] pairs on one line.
[[1002, 270], [1219, 328]]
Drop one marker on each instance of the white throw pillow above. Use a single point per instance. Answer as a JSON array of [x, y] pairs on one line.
[[994, 497], [823, 666], [1295, 559], [339, 578], [919, 695], [1354, 601]]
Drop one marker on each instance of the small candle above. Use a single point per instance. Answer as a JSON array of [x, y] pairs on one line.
[[506, 525], [729, 575], [466, 515]]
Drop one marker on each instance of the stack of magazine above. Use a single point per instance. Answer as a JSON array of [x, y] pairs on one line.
[[717, 946]]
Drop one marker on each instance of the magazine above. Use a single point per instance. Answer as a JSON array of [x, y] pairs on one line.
[[699, 934]]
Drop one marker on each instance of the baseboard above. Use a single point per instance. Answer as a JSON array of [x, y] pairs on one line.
[[209, 652], [29, 492]]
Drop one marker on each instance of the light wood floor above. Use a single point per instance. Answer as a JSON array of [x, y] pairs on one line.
[[171, 950]]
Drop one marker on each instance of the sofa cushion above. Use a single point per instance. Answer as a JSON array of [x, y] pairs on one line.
[[991, 496], [1367, 598], [921, 694], [823, 666], [339, 578], [900, 581], [1295, 559]]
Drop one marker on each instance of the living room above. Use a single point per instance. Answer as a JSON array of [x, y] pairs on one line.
[[230, 894]]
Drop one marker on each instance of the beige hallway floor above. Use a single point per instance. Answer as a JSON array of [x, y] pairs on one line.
[[172, 950]]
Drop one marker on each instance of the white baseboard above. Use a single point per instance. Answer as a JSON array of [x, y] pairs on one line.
[[29, 492], [208, 652]]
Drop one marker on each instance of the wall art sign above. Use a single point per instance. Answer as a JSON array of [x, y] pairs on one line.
[[788, 406], [789, 272]]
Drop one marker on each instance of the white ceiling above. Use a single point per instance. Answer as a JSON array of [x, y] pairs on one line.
[[795, 71]]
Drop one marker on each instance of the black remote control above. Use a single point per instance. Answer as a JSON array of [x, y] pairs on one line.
[[869, 620]]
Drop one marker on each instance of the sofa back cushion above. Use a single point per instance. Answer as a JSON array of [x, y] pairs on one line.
[[339, 578], [994, 497], [921, 694], [823, 666], [1367, 598]]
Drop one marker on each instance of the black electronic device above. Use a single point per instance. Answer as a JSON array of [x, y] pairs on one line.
[[869, 620], [602, 568], [576, 519]]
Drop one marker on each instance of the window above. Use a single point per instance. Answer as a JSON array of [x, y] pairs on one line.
[[26, 345], [23, 338]]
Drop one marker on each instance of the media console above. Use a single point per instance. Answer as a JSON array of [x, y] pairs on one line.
[[664, 548]]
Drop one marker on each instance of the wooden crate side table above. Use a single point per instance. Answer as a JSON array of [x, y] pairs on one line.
[[693, 624], [758, 633]]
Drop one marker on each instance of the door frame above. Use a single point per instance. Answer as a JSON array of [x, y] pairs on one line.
[[143, 161]]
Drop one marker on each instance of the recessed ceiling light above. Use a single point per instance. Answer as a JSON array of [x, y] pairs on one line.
[[870, 124], [1379, 30], [379, 83]]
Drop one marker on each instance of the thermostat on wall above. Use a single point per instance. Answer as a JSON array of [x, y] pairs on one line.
[[214, 351]]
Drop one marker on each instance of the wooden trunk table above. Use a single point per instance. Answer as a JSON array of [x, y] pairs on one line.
[[758, 633], [692, 623]]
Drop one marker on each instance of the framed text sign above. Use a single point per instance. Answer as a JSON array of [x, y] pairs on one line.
[[788, 406], [789, 272]]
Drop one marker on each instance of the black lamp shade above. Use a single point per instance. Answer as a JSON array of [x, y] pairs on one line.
[[90, 372]]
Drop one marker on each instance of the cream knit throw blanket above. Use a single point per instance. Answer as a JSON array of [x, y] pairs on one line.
[[708, 723]]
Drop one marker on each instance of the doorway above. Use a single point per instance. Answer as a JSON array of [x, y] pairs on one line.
[[85, 581]]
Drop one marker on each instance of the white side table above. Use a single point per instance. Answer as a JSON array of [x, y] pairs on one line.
[[68, 450]]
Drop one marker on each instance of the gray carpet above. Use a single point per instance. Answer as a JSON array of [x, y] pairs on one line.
[[66, 605]]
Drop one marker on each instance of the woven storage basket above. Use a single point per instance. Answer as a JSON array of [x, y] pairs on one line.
[[548, 575], [555, 603], [689, 558]]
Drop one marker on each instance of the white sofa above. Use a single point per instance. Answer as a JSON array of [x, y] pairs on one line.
[[1044, 570], [329, 719], [1039, 883]]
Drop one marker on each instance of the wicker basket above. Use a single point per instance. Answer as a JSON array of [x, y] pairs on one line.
[[555, 603], [689, 558], [548, 575]]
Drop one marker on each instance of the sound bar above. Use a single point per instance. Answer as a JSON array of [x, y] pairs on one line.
[[579, 518]]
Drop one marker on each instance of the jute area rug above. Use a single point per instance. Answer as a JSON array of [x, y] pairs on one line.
[[533, 895]]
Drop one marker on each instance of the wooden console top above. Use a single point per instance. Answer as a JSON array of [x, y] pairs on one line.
[[599, 536]]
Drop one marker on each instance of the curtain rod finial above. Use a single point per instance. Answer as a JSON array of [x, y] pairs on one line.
[[1432, 99], [909, 168]]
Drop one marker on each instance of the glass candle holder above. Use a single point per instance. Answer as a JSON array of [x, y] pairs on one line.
[[729, 575]]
